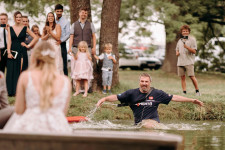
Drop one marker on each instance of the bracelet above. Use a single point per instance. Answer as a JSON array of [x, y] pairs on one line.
[[28, 45]]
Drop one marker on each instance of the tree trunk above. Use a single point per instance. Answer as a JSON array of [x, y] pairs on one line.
[[109, 34], [75, 6], [170, 62]]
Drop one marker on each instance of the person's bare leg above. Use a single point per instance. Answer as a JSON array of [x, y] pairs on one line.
[[194, 81], [77, 88], [85, 88], [21, 64], [183, 83]]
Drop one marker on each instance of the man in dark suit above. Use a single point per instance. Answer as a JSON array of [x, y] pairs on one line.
[[3, 40]]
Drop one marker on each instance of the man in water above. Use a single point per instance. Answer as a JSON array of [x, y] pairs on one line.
[[144, 101]]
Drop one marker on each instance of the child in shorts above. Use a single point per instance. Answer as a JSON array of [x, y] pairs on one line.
[[107, 67]]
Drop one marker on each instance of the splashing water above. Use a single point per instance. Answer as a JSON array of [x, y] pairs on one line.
[[195, 126], [104, 124], [91, 113]]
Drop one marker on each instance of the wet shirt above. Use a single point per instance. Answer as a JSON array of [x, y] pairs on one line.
[[144, 107]]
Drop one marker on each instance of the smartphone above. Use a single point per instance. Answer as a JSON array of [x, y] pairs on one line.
[[3, 25]]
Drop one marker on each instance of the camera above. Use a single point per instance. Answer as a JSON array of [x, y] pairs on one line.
[[3, 25], [184, 37]]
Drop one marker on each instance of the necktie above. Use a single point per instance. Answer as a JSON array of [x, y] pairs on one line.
[[4, 38]]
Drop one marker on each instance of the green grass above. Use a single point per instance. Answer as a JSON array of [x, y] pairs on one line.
[[212, 88]]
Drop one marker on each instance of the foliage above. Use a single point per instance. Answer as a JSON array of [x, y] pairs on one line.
[[206, 18], [135, 16], [33, 7]]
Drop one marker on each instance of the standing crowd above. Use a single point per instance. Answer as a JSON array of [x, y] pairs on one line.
[[18, 41], [37, 72]]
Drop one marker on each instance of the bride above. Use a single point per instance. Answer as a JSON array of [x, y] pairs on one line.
[[42, 95], [52, 33]]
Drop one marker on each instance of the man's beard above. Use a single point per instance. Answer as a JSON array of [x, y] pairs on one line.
[[59, 16], [144, 89]]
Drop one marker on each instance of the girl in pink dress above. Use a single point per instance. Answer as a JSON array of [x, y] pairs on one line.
[[83, 70]]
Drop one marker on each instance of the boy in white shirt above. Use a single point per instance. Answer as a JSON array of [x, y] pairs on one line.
[[107, 67]]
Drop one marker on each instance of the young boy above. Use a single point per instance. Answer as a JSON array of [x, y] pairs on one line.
[[185, 51], [107, 67]]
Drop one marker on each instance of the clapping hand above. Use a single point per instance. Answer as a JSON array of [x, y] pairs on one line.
[[47, 29], [50, 30]]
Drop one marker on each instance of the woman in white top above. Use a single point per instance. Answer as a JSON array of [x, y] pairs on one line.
[[52, 33]]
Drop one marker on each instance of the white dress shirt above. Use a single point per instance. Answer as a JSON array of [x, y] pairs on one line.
[[65, 28], [2, 44]]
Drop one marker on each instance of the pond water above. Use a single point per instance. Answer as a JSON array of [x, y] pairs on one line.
[[197, 135]]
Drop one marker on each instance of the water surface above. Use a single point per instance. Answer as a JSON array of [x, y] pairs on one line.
[[198, 135]]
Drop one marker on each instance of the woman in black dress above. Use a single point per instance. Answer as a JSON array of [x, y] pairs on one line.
[[16, 36]]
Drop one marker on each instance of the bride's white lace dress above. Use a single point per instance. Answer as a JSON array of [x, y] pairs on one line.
[[58, 59], [36, 120]]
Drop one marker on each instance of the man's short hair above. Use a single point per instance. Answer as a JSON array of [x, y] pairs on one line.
[[145, 75], [26, 18], [58, 6], [4, 14], [185, 27], [83, 9]]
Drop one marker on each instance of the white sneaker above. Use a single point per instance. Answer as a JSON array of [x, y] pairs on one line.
[[198, 94]]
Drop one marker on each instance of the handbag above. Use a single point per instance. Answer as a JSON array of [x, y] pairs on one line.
[[14, 53]]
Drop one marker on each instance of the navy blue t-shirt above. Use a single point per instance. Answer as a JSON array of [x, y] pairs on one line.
[[144, 107]]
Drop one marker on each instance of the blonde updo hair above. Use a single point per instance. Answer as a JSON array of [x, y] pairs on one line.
[[43, 59]]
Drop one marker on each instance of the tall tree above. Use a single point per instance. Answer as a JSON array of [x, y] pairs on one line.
[[75, 6], [172, 14], [109, 34]]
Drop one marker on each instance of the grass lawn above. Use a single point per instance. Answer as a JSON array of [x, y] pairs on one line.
[[211, 85]]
